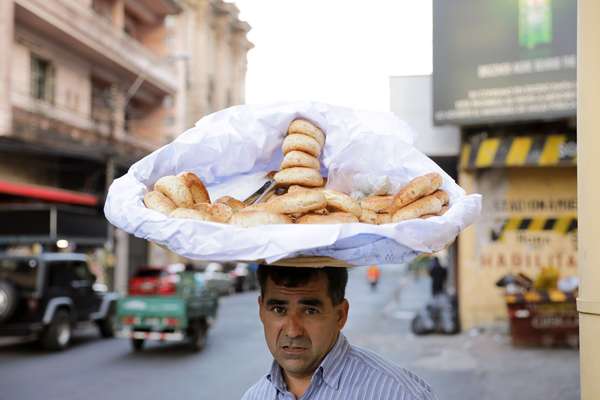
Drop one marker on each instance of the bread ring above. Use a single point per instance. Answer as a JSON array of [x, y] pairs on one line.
[[379, 204], [417, 188], [307, 128], [197, 188], [297, 158], [342, 202], [159, 202], [191, 214], [235, 204], [442, 196], [219, 212], [299, 202], [426, 205], [368, 216], [301, 143], [254, 218], [384, 219], [299, 176], [176, 190], [333, 218]]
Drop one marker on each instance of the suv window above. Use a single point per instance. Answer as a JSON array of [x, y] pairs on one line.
[[62, 273], [22, 272]]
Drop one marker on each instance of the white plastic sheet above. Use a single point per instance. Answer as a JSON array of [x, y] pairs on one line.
[[231, 151]]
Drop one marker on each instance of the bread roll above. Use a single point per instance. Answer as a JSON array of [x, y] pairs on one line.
[[442, 196], [415, 189], [197, 188], [301, 143], [384, 219], [175, 189], [378, 204], [333, 218], [307, 128], [299, 176], [427, 205], [342, 202], [300, 159], [254, 218], [159, 202], [191, 214], [255, 207], [219, 212], [368, 216], [298, 202], [235, 204]]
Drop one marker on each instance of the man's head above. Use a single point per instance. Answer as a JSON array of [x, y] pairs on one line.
[[302, 311]]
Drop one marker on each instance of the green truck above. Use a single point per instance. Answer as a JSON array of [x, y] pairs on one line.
[[168, 304]]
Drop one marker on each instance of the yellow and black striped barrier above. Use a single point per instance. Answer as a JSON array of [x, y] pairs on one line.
[[519, 151], [563, 225]]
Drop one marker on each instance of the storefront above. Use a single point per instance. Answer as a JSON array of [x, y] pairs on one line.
[[505, 73]]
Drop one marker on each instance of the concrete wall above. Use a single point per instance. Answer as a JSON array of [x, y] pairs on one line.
[[411, 100]]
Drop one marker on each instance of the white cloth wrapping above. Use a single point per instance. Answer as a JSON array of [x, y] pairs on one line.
[[231, 151]]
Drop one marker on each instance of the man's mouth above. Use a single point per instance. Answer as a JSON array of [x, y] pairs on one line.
[[293, 350]]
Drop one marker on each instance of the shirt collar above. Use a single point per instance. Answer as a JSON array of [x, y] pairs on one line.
[[331, 367]]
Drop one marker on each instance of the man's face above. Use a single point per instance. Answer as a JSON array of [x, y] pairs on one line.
[[301, 324]]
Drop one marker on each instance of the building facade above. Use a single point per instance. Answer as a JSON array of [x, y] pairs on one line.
[[512, 92], [88, 87]]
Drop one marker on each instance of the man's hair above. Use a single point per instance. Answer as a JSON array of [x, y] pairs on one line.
[[337, 277]]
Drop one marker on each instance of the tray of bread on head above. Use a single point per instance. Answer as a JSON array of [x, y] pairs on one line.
[[298, 184]]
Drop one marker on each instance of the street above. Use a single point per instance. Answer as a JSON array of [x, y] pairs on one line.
[[466, 366]]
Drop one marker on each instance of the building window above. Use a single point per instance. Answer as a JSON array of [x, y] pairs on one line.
[[42, 79]]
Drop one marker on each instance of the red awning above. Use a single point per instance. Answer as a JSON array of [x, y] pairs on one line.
[[47, 193]]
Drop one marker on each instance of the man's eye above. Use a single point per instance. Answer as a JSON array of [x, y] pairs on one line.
[[311, 311], [278, 309]]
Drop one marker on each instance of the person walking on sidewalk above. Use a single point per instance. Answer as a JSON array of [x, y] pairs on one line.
[[303, 311], [438, 274], [373, 275]]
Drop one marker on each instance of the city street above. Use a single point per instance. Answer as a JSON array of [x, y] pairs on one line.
[[465, 366]]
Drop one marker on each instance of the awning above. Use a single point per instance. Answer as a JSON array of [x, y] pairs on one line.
[[47, 223], [47, 193], [519, 151]]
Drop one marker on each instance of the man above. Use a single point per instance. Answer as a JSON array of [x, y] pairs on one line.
[[303, 311], [438, 275]]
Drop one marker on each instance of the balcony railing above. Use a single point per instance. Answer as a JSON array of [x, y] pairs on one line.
[[81, 24]]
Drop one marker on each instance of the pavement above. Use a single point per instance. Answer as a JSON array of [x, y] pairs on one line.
[[480, 363]]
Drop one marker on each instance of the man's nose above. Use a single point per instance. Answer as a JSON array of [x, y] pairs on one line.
[[293, 326]]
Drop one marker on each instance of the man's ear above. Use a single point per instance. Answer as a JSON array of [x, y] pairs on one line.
[[342, 313], [260, 309]]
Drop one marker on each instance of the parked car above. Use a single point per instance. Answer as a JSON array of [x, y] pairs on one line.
[[244, 277], [47, 296], [217, 278], [170, 303]]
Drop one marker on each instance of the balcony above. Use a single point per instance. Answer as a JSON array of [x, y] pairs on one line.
[[95, 39]]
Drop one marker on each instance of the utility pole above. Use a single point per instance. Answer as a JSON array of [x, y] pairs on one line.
[[588, 194]]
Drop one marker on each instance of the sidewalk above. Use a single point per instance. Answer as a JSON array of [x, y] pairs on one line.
[[480, 364]]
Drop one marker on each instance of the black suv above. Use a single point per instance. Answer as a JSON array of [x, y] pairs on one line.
[[46, 296]]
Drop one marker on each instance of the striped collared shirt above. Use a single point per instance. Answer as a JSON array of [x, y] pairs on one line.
[[346, 373]]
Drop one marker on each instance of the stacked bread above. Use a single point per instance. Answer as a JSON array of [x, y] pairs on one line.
[[420, 198], [301, 150], [302, 199]]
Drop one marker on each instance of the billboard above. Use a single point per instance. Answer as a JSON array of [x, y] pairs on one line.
[[503, 60]]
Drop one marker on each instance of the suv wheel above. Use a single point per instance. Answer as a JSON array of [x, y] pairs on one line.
[[58, 334], [137, 344], [8, 300], [197, 334], [108, 325]]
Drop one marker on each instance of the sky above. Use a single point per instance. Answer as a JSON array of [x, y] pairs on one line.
[[334, 51]]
